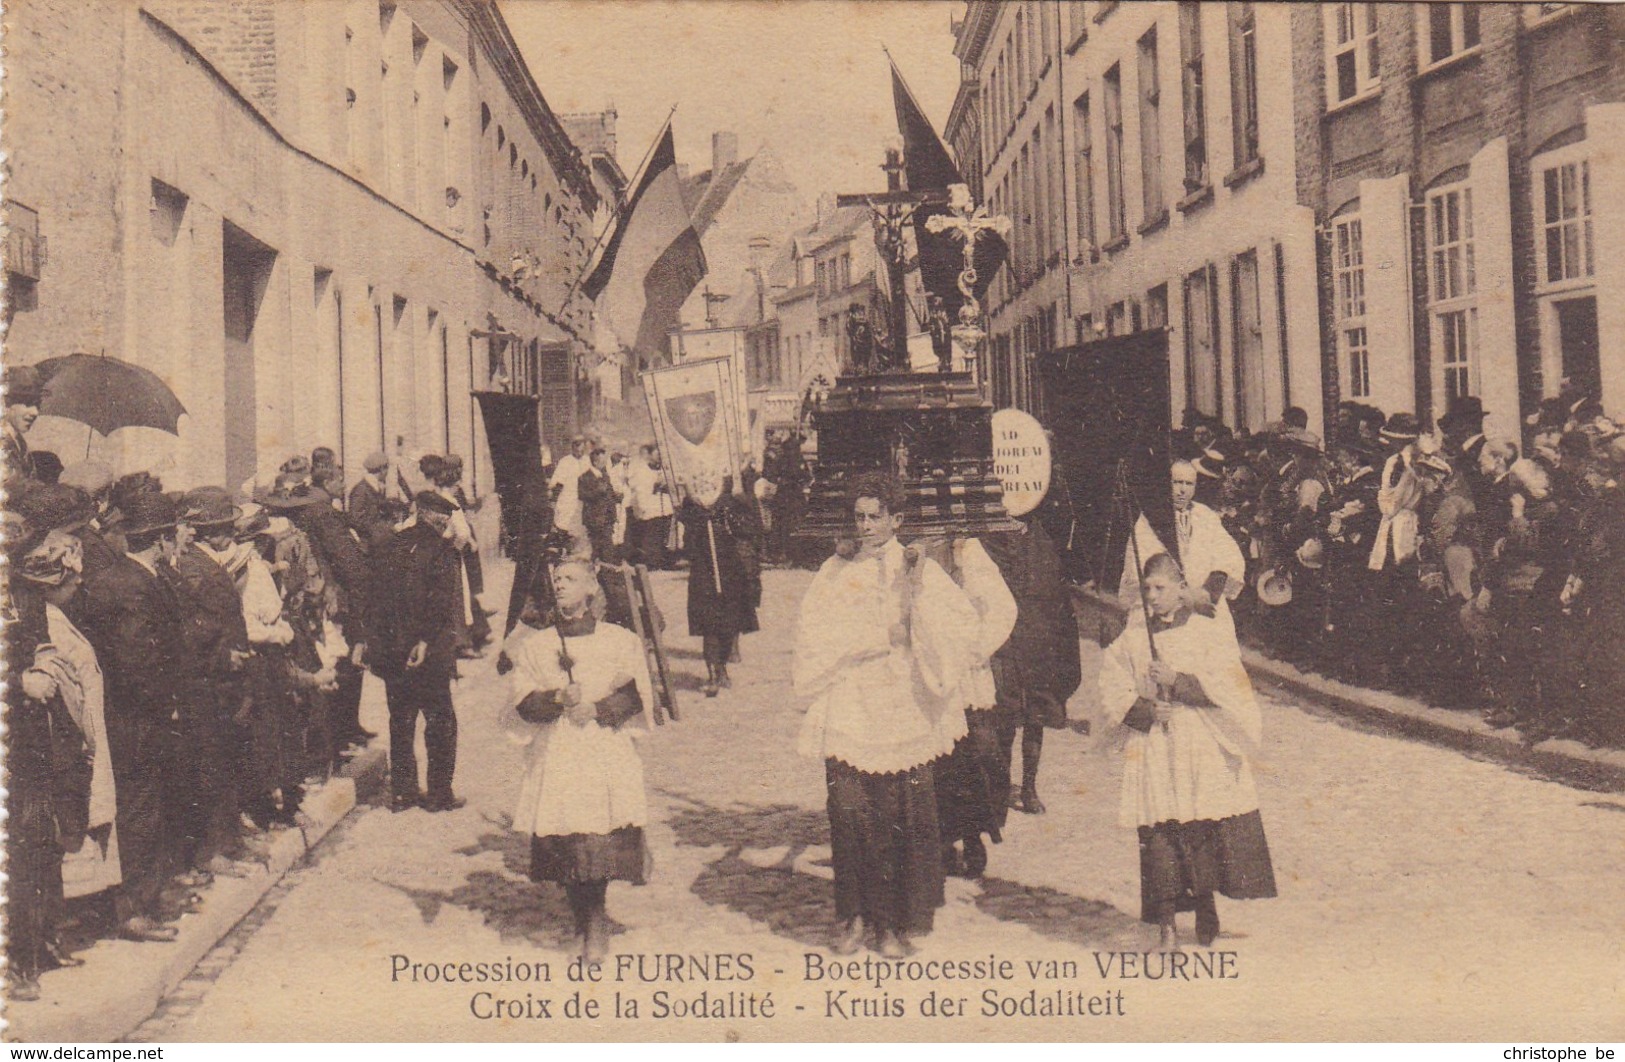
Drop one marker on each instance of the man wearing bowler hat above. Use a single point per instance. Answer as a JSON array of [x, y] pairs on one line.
[[1463, 428], [416, 624], [216, 643], [371, 514], [133, 621]]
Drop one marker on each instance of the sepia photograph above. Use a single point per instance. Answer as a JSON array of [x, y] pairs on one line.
[[815, 521]]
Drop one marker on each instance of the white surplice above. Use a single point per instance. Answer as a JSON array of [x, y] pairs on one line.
[[883, 715], [579, 778], [1198, 766]]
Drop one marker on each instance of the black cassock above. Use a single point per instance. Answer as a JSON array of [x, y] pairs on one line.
[[722, 590]]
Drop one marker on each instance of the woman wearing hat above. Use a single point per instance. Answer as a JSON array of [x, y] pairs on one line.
[[60, 839], [1192, 728], [580, 695]]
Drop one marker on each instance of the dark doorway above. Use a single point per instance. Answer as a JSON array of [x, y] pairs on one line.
[[1577, 339], [245, 272]]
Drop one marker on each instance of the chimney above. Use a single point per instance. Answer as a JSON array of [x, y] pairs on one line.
[[724, 151], [759, 247], [826, 208]]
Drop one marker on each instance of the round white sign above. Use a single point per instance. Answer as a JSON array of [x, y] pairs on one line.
[[1021, 460]]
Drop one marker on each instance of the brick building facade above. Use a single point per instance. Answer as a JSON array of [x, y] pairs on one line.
[[1459, 159], [320, 223]]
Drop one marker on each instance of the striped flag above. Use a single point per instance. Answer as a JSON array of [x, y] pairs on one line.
[[653, 259]]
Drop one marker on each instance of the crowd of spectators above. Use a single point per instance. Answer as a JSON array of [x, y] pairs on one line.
[[1476, 572]]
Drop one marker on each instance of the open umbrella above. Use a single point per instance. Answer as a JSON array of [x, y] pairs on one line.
[[107, 394]]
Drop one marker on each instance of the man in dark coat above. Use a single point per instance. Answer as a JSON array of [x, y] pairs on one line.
[[345, 562], [1038, 668], [133, 621], [532, 528], [371, 514], [598, 501], [216, 641], [1463, 427], [416, 622]]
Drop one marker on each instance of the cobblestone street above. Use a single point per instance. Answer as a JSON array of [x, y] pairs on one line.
[[1419, 889]]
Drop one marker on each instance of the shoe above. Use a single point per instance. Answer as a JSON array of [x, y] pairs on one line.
[[195, 879], [1500, 719], [851, 939], [143, 928], [406, 802], [952, 865], [723, 680], [595, 942], [975, 857], [1030, 802], [894, 946], [1168, 940], [1207, 922], [710, 688], [22, 989], [446, 802], [61, 956]]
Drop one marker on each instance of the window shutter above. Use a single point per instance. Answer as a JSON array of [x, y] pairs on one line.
[[1384, 222], [1497, 353], [1605, 128]]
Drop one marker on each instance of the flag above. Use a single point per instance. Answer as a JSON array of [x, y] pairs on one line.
[[653, 259], [927, 166]]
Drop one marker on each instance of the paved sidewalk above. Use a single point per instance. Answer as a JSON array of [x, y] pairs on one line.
[[122, 981]]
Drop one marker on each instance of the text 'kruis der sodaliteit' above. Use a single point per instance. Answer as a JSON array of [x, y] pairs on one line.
[[737, 985]]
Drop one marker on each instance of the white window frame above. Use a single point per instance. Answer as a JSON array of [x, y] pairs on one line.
[[1458, 295], [1349, 303], [1578, 156], [1361, 42], [1459, 48]]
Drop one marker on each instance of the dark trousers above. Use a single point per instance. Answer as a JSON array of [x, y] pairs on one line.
[[648, 539], [142, 759], [34, 866], [602, 539], [480, 627], [718, 648], [345, 702], [429, 695], [207, 812], [886, 847]]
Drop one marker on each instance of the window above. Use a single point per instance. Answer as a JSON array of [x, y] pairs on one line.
[[1351, 51], [1156, 307], [1348, 267], [1446, 31], [1194, 94], [1055, 216], [1150, 130], [1451, 286], [1565, 223], [1115, 215], [1358, 358], [1457, 338], [1244, 82], [1086, 180], [1202, 341], [1249, 342], [1077, 21], [1117, 323], [1348, 281], [1450, 243]]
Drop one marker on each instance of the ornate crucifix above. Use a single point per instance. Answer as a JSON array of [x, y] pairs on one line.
[[968, 223], [891, 212]]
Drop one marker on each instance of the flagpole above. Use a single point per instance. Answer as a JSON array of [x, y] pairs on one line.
[[616, 216]]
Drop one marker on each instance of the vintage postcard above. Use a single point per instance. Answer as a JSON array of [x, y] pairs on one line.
[[706, 520]]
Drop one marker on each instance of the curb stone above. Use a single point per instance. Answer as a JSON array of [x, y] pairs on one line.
[[122, 982]]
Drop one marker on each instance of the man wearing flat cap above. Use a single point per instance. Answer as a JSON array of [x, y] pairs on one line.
[[370, 512], [415, 627], [133, 621]]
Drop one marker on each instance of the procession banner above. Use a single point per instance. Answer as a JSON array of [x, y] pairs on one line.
[[695, 412]]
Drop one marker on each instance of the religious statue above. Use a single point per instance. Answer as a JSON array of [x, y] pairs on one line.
[[941, 330], [860, 339], [969, 223]]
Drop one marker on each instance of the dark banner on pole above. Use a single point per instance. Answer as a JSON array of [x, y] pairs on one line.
[[1108, 407], [512, 433]]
